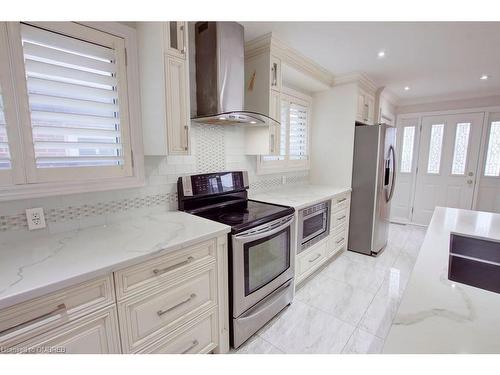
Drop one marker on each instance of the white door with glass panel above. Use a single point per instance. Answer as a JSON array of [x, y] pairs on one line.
[[447, 163]]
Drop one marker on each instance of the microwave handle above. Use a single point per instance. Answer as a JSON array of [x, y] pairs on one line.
[[264, 232]]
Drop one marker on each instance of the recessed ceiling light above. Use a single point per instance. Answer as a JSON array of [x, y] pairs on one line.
[[484, 77], [381, 54], [253, 122], [407, 88], [222, 118]]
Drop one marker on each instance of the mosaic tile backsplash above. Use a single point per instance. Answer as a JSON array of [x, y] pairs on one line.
[[213, 149]]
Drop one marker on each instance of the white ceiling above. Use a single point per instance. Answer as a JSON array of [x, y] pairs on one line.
[[435, 59]]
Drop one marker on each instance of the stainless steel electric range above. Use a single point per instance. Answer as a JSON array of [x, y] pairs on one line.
[[261, 246]]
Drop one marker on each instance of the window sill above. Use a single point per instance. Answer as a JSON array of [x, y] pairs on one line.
[[28, 191]]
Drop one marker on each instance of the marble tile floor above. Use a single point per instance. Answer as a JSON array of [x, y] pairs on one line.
[[348, 306]]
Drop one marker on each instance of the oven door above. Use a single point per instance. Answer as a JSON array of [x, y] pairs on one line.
[[263, 260], [313, 225]]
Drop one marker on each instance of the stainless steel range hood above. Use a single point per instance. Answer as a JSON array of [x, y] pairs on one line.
[[220, 76]]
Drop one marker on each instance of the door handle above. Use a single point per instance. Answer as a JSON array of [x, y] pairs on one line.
[[388, 197]]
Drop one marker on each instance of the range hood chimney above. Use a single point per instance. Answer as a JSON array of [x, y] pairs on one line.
[[220, 76]]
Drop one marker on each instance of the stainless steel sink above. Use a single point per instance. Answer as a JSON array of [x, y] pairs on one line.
[[475, 262]]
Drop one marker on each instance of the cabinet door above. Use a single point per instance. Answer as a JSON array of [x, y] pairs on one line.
[[96, 333], [275, 130], [176, 39], [360, 115], [176, 95], [370, 108], [275, 73]]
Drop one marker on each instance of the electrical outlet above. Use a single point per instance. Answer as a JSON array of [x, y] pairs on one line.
[[35, 218]]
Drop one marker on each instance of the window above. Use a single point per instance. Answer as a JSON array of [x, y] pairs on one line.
[[435, 145], [407, 149], [4, 142], [71, 82], [298, 132], [73, 97], [460, 149], [294, 136], [492, 168]]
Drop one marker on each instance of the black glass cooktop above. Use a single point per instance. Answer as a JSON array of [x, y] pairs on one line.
[[245, 215]]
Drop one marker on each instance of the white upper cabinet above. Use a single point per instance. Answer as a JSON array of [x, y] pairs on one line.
[[164, 74], [366, 108], [176, 38], [267, 59]]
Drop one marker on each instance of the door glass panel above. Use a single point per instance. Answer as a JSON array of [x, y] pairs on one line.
[[460, 150], [493, 155], [313, 224], [266, 259], [435, 146], [407, 149], [173, 35]]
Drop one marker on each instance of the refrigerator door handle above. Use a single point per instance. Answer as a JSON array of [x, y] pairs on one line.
[[388, 197]]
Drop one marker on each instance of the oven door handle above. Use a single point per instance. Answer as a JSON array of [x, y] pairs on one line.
[[264, 231]]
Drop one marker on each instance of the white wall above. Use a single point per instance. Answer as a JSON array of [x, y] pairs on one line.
[[332, 135]]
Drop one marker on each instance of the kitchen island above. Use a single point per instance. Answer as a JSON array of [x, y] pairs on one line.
[[437, 315]]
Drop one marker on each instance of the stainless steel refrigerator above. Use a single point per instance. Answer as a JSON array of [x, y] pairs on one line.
[[373, 183]]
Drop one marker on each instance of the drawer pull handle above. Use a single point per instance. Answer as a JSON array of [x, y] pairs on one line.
[[341, 200], [315, 258], [341, 218], [193, 345], [156, 271], [161, 312], [339, 241], [60, 308]]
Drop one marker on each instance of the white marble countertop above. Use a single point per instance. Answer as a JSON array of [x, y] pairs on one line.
[[299, 196], [34, 266], [437, 315]]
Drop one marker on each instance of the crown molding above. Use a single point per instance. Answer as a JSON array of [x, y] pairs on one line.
[[361, 79], [449, 97], [269, 43]]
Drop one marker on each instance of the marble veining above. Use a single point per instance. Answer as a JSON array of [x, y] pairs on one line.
[[437, 315], [36, 265], [336, 312], [298, 196]]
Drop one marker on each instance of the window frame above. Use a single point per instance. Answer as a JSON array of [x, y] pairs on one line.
[[67, 180], [491, 118], [287, 165]]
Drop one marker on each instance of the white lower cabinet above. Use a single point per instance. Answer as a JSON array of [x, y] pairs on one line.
[[311, 259], [96, 333], [150, 315], [175, 303], [196, 337]]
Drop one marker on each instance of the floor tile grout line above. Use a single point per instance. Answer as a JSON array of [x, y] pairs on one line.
[[270, 343]]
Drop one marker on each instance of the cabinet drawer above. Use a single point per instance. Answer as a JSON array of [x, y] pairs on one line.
[[148, 316], [339, 219], [26, 320], [162, 269], [312, 258], [96, 333], [337, 243], [340, 202], [196, 337]]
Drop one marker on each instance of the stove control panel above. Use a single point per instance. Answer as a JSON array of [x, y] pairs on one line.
[[213, 183]]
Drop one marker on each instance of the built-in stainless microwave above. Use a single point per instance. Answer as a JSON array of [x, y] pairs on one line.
[[313, 225]]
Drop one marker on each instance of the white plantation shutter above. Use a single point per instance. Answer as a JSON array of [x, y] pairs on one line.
[[298, 132], [294, 137], [283, 133], [74, 102], [5, 162]]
